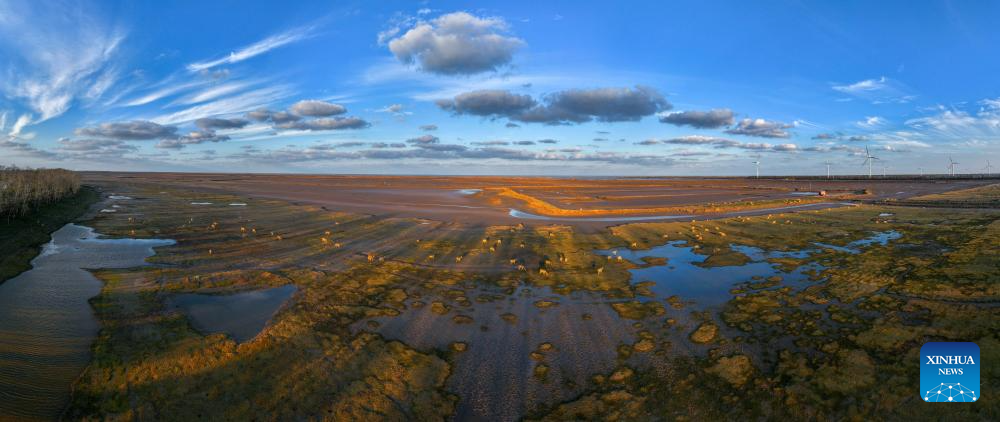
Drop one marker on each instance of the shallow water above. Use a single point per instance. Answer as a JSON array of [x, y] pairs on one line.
[[239, 315], [711, 286], [46, 323], [705, 287], [854, 248], [493, 377]]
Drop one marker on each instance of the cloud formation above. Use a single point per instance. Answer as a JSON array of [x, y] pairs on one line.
[[456, 44], [450, 152], [255, 49], [292, 120], [717, 142], [878, 91], [333, 123], [487, 103], [95, 148], [316, 108], [601, 104], [711, 119], [563, 107], [55, 54], [136, 130], [761, 128], [423, 140], [211, 123]]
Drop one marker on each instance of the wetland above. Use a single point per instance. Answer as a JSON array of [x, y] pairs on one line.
[[801, 314]]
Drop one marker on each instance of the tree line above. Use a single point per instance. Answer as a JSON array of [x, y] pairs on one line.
[[22, 190]]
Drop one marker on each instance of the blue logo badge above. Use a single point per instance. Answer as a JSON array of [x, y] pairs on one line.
[[949, 372]]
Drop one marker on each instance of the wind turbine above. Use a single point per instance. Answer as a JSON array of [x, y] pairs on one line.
[[951, 166], [988, 169], [756, 164], [884, 168], [869, 159], [828, 164]]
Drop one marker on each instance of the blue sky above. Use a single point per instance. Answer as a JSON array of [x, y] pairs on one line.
[[557, 88]]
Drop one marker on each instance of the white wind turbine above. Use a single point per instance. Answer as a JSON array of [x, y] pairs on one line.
[[951, 166], [828, 164], [756, 164], [869, 159], [988, 169]]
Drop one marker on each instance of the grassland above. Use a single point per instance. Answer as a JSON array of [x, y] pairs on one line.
[[843, 345], [978, 197]]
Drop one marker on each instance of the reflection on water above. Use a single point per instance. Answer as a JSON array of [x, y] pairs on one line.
[[239, 315], [880, 238], [46, 323], [705, 286], [682, 276]]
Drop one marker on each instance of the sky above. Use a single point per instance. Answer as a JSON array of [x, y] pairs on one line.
[[579, 88]]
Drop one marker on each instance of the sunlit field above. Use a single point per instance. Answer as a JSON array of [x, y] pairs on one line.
[[736, 317]]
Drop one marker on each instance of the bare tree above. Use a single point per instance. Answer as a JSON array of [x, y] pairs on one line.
[[22, 190]]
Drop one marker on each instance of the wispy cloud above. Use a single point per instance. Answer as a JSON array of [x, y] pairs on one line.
[[55, 54], [879, 91], [872, 122], [956, 125], [257, 48], [19, 124], [240, 103]]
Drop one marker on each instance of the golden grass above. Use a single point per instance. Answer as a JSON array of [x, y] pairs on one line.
[[542, 207]]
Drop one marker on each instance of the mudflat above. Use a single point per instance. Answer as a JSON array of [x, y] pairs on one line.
[[481, 200]]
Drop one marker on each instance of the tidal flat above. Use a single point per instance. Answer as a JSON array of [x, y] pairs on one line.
[[816, 314]]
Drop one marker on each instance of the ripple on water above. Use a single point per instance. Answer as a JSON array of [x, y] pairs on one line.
[[46, 323]]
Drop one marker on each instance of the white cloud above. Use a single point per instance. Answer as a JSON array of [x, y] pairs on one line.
[[19, 125], [866, 85], [56, 53], [240, 103], [256, 49], [872, 122], [213, 93], [878, 91], [456, 43], [171, 87], [957, 125]]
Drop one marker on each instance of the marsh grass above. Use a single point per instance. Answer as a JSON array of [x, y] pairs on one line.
[[778, 351]]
